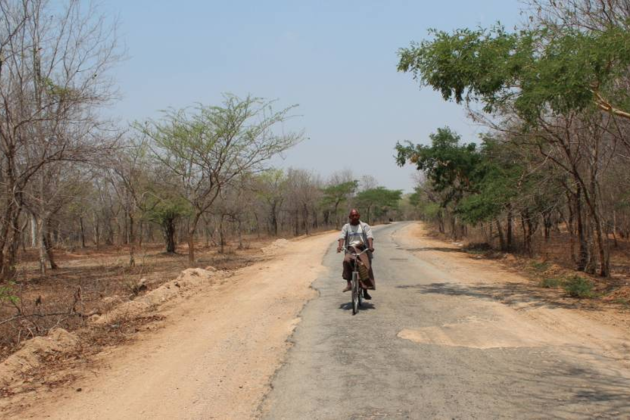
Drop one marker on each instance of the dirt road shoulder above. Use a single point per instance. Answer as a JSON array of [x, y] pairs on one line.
[[602, 329], [213, 358]]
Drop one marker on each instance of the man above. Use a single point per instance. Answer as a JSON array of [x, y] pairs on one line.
[[357, 234]]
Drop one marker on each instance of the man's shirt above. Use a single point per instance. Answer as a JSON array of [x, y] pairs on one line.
[[355, 232]]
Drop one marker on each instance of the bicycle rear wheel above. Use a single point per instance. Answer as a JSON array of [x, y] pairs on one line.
[[355, 293]]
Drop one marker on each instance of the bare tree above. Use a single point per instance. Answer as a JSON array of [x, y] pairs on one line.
[[53, 66], [207, 149]]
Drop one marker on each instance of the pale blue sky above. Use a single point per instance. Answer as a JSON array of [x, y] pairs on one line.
[[336, 59]]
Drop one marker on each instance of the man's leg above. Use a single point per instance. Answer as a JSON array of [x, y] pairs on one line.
[[347, 272]]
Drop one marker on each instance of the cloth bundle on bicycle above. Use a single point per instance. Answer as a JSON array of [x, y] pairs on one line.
[[364, 273]]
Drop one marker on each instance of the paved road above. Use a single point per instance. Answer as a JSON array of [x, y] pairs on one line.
[[357, 367]]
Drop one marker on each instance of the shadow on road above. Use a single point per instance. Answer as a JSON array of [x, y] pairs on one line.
[[364, 306], [523, 295], [569, 389], [440, 249]]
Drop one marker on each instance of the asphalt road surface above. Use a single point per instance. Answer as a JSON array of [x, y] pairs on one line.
[[472, 357]]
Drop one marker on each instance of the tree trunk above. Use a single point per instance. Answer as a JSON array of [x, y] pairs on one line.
[[97, 232], [614, 228], [168, 228], [604, 257], [547, 225], [570, 225], [528, 232], [108, 232], [192, 228], [42, 246], [221, 236], [140, 233], [49, 247], [132, 242], [34, 240], [583, 254], [510, 236], [501, 237], [274, 219], [240, 235], [257, 225], [82, 233], [4, 267], [305, 218], [524, 228], [14, 244]]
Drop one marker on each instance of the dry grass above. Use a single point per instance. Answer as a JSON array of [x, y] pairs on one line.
[[92, 281], [552, 263]]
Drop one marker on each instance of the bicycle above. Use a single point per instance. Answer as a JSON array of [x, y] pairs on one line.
[[357, 290]]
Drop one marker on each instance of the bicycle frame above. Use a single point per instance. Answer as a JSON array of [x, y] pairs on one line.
[[356, 281]]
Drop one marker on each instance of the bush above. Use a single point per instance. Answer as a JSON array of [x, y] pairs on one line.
[[7, 294], [478, 248], [551, 282], [540, 267], [578, 287]]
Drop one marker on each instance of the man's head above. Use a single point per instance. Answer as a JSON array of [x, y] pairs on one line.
[[354, 217]]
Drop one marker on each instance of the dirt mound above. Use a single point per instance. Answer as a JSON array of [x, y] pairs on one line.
[[620, 295], [276, 245], [61, 341], [31, 355], [188, 279]]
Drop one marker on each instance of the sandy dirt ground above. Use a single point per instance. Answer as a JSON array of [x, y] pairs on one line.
[[213, 358]]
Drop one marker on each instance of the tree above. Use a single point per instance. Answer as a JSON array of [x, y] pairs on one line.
[[450, 166], [335, 195], [303, 194], [377, 201], [54, 62], [271, 186], [166, 212], [206, 149], [556, 86], [534, 70]]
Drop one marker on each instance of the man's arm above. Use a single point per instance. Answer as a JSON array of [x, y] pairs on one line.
[[370, 237], [342, 238]]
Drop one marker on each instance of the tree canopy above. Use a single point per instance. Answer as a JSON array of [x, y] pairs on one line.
[[534, 70]]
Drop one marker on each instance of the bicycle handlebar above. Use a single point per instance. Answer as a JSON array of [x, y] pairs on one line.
[[347, 248]]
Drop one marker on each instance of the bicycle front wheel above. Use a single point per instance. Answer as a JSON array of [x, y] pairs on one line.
[[356, 290]]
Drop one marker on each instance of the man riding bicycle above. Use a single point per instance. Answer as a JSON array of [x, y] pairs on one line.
[[358, 235]]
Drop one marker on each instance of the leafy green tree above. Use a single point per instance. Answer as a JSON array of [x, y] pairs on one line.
[[562, 83], [424, 200], [450, 166], [166, 212], [335, 195], [534, 70], [378, 201], [474, 184]]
